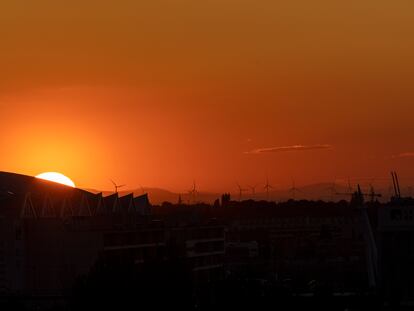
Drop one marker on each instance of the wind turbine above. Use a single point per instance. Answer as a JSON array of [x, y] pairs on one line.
[[116, 186], [267, 187], [192, 192], [241, 190], [253, 188], [294, 190]]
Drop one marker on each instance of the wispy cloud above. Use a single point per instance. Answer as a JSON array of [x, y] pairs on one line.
[[288, 148], [403, 155]]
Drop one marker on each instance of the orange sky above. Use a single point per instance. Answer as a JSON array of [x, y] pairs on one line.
[[161, 92]]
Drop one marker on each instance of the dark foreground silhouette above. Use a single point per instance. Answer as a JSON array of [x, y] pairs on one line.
[[168, 284], [120, 287]]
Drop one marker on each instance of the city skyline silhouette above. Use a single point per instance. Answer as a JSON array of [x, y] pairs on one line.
[[203, 155]]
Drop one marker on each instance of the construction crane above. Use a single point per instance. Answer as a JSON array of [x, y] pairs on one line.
[[396, 185], [355, 194], [372, 194]]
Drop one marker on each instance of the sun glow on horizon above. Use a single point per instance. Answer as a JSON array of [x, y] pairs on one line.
[[57, 178]]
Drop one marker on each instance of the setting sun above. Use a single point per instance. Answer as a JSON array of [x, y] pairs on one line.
[[57, 177]]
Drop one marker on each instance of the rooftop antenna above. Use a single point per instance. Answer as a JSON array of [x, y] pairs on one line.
[[116, 186], [267, 187], [241, 190]]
